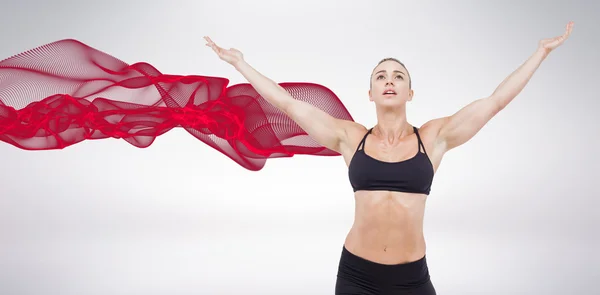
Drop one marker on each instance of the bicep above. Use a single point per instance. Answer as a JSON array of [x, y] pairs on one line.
[[459, 128], [325, 129]]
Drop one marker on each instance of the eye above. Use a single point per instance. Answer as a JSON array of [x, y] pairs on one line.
[[399, 76], [380, 76]]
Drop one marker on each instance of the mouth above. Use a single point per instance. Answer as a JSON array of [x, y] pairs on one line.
[[389, 93]]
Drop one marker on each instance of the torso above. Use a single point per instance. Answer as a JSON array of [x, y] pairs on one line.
[[388, 225]]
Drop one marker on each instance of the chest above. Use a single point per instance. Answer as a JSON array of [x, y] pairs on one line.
[[390, 154], [413, 174]]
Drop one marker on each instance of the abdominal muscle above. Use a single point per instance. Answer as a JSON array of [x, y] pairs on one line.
[[388, 227]]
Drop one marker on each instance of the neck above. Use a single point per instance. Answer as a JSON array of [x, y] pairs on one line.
[[392, 124]]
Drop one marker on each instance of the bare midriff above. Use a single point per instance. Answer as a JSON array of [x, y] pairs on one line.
[[388, 227]]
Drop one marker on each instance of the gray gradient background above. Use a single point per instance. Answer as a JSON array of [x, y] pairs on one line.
[[514, 211]]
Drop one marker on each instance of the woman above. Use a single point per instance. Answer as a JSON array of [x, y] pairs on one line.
[[391, 166]]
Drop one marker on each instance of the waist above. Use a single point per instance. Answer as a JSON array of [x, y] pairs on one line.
[[388, 227], [408, 274], [398, 248], [404, 278]]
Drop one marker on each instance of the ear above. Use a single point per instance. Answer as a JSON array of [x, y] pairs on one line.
[[410, 95], [370, 97]]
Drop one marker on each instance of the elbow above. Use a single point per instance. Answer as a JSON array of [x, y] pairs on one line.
[[497, 103]]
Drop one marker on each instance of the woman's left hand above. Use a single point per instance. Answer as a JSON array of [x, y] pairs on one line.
[[550, 44]]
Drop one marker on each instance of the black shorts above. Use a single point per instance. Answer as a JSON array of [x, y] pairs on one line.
[[357, 275]]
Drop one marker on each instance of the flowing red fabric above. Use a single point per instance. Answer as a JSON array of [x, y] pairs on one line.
[[65, 92]]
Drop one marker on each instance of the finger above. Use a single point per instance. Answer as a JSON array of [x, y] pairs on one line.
[[210, 41], [558, 41], [217, 49], [214, 45], [213, 48], [570, 28], [570, 24]]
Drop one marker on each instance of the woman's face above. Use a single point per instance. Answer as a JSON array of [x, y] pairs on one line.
[[390, 85]]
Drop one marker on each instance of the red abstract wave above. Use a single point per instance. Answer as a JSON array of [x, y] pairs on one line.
[[65, 92]]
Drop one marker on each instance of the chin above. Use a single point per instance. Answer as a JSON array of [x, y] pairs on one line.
[[390, 102]]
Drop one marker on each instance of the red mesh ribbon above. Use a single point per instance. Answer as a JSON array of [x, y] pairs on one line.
[[65, 92]]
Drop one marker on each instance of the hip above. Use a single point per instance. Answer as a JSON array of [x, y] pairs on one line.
[[357, 275]]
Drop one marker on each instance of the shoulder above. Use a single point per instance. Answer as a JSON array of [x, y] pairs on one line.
[[352, 134], [353, 128], [432, 128]]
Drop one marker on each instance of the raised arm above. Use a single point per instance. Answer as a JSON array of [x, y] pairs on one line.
[[325, 129], [459, 128]]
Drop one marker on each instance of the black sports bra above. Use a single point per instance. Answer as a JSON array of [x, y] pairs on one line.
[[413, 175]]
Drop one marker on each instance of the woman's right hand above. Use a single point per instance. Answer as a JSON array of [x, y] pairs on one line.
[[231, 56]]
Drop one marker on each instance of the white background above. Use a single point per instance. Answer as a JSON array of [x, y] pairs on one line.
[[514, 211]]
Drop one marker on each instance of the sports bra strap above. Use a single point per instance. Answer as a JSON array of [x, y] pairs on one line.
[[416, 130], [419, 139], [362, 142]]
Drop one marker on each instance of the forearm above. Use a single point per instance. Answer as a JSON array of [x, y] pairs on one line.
[[516, 81], [267, 88]]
